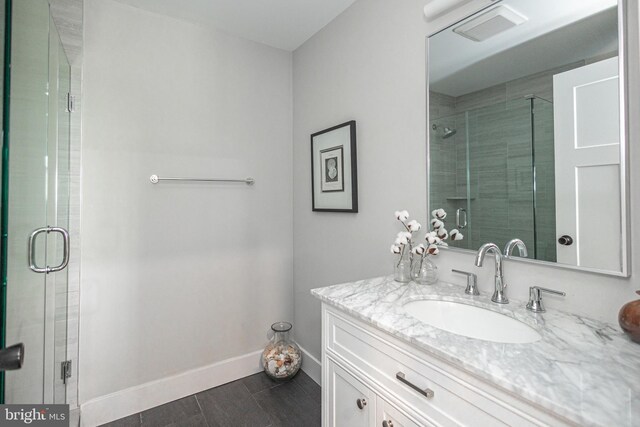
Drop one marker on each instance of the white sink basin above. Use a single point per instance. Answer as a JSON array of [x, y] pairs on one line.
[[471, 321]]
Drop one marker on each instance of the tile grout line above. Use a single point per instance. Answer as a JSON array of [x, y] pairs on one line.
[[261, 407], [246, 388], [259, 391], [201, 411]]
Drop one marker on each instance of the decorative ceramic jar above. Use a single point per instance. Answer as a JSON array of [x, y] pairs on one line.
[[629, 319], [424, 272], [281, 359]]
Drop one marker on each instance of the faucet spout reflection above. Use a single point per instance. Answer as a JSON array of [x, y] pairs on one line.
[[515, 243], [498, 294]]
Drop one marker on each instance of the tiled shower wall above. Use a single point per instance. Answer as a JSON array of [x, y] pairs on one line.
[[67, 15], [497, 123], [498, 177]]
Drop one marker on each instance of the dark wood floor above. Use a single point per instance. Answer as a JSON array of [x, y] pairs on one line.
[[252, 401]]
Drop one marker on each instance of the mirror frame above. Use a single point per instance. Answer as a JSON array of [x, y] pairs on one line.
[[626, 22]]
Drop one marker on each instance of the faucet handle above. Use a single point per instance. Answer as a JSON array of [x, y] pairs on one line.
[[535, 298], [472, 282]]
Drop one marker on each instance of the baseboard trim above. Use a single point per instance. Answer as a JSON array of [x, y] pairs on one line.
[[311, 366], [145, 396], [74, 417]]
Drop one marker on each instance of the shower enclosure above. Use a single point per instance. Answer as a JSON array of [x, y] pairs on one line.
[[492, 170], [35, 202]]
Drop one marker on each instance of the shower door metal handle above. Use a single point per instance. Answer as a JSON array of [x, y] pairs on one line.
[[458, 223], [32, 250], [12, 358], [65, 249]]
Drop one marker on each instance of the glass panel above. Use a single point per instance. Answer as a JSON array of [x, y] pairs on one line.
[[500, 168], [35, 195], [62, 188], [5, 30], [545, 191], [27, 202], [482, 166], [518, 140]]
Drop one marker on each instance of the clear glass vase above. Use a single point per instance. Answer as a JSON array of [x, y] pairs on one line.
[[402, 267], [424, 271], [281, 359]]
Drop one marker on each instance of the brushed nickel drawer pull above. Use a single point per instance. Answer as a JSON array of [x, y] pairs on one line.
[[361, 403], [386, 423], [427, 392]]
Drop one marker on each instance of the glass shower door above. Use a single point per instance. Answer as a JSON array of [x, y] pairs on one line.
[[35, 194]]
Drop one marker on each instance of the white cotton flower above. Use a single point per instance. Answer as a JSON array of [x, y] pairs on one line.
[[403, 238], [414, 225], [436, 224], [439, 214], [433, 250], [442, 233], [404, 234], [402, 215], [432, 237], [444, 244], [395, 249], [419, 250], [456, 234]]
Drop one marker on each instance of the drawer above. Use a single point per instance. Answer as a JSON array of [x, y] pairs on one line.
[[379, 358], [387, 415], [350, 402]]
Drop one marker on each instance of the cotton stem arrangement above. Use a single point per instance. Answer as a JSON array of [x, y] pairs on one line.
[[404, 239], [434, 239]]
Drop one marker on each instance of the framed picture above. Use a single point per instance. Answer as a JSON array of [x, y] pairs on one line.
[[334, 181]]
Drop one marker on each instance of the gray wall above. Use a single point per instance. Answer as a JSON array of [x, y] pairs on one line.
[[180, 276], [369, 65], [366, 65]]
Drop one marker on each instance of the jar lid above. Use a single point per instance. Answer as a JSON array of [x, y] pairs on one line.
[[281, 326]]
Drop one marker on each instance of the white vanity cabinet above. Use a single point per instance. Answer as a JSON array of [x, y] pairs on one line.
[[353, 404], [371, 378], [388, 415]]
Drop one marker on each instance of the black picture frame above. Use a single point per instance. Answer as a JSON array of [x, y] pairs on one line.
[[343, 170]]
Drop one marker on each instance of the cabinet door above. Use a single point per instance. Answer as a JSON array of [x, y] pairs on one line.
[[388, 415], [351, 403]]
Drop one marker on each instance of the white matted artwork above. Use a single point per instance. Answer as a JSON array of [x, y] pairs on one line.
[[333, 169]]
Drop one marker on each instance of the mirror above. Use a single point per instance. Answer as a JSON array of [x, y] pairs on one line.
[[526, 136]]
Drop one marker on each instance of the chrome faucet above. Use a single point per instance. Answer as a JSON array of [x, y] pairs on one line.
[[512, 244], [498, 294]]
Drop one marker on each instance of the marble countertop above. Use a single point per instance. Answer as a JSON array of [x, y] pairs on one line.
[[582, 369]]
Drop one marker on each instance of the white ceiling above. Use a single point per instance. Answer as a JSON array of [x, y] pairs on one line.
[[284, 24], [556, 33]]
